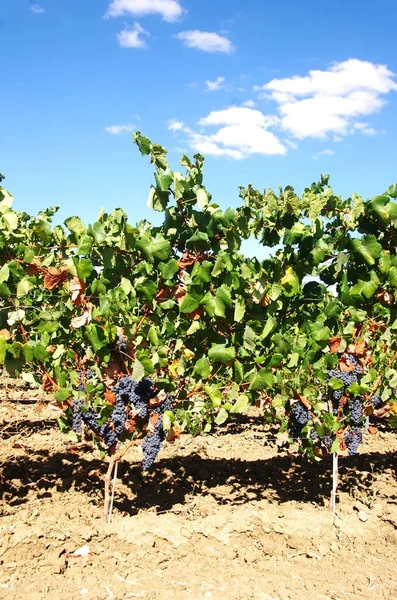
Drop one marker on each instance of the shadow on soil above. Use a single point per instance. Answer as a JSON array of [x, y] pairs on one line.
[[175, 480]]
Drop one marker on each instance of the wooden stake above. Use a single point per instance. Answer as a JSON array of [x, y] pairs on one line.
[[334, 482], [113, 489], [107, 480]]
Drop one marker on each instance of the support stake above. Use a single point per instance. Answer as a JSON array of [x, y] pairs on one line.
[[113, 489], [107, 480], [334, 482]]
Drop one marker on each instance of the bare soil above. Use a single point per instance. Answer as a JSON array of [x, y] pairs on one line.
[[229, 515]]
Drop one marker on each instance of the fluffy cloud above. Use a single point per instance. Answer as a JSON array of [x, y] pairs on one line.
[[213, 86], [116, 129], [37, 9], [323, 104], [329, 101], [207, 41], [170, 10], [240, 133], [131, 38]]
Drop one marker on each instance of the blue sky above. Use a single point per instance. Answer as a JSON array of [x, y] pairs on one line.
[[272, 93]]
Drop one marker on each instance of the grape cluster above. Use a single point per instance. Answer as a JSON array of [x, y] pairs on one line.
[[151, 445], [325, 440], [353, 438], [347, 379], [77, 419], [135, 394], [356, 409], [130, 395], [376, 401], [299, 417], [84, 376]]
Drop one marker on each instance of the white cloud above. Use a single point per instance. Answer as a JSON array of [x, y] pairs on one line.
[[116, 129], [170, 10], [241, 132], [326, 152], [364, 128], [37, 9], [131, 38], [329, 101], [176, 125], [249, 103], [207, 41], [218, 84]]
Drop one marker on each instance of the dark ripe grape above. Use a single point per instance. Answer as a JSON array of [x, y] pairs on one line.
[[151, 445], [356, 409], [146, 388], [376, 401], [353, 439], [119, 417], [299, 415], [108, 435], [327, 441], [90, 418], [89, 374], [77, 420], [313, 435], [346, 378]]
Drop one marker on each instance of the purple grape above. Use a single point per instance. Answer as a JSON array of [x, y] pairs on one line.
[[353, 438]]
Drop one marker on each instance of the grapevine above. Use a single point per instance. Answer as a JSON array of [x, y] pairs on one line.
[[140, 330]]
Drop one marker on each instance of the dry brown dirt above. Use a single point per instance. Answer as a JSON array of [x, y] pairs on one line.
[[228, 515]]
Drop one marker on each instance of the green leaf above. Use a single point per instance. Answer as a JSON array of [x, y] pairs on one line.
[[290, 282], [333, 309], [368, 248], [84, 268], [221, 417], [202, 198], [271, 323], [223, 293], [4, 290], [4, 273], [393, 276], [3, 349], [164, 180], [264, 379], [24, 287], [168, 269], [239, 309], [158, 200], [199, 240], [249, 338], [62, 395], [335, 446], [138, 371], [94, 335], [221, 353], [84, 245], [143, 143], [190, 302], [40, 353], [241, 405], [202, 368], [76, 225]]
